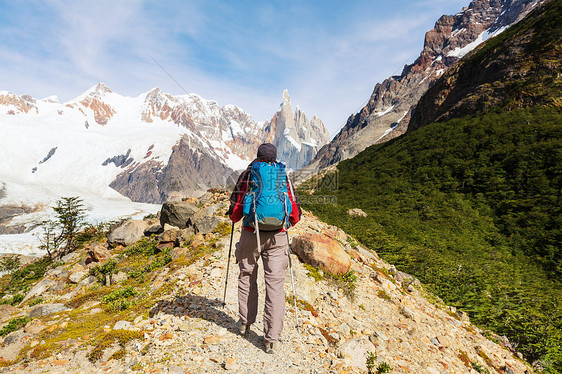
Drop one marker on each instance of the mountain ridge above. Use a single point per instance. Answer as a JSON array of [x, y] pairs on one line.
[[389, 108]]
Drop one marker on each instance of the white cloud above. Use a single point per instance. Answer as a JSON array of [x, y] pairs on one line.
[[330, 70]]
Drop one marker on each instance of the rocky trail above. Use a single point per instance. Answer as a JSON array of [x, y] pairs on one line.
[[373, 312]]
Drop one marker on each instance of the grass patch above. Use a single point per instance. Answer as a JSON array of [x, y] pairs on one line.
[[223, 229], [14, 325], [13, 300], [36, 301], [22, 279], [94, 294], [315, 273], [346, 282], [302, 305], [120, 299], [122, 337], [383, 295]]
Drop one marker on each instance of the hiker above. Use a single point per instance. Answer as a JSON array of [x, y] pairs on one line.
[[273, 240]]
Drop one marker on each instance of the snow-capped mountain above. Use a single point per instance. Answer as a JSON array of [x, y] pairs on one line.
[[110, 149], [297, 139], [388, 111]]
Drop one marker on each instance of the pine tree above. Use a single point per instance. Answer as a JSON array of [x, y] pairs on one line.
[[58, 237], [70, 217]]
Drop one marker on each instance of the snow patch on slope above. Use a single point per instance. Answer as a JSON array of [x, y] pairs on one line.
[[460, 52]]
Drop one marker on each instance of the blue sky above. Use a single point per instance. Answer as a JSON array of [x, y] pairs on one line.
[[328, 54]]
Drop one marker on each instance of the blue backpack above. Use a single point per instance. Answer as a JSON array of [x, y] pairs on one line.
[[267, 201]]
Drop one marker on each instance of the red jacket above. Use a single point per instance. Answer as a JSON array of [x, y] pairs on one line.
[[237, 200]]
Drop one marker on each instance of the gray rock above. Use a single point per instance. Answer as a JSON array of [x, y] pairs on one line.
[[174, 369], [119, 277], [129, 232], [58, 272], [69, 257], [154, 226], [356, 351], [307, 287], [46, 309], [435, 341], [344, 329], [203, 222], [77, 277], [357, 212], [122, 325], [13, 337], [40, 288], [177, 213]]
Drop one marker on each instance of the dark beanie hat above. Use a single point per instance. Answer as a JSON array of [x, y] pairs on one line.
[[267, 151]]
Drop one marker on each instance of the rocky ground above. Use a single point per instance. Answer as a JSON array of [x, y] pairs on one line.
[[174, 322]]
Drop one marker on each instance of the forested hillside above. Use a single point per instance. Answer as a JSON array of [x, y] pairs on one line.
[[470, 201]]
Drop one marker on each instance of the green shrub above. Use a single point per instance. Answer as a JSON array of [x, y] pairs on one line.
[[36, 301], [120, 299], [101, 271], [10, 263], [13, 325], [22, 278]]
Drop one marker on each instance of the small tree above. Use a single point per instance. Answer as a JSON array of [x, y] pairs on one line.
[[50, 238], [58, 237], [70, 217]]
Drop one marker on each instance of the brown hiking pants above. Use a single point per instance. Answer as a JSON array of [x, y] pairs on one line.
[[275, 258]]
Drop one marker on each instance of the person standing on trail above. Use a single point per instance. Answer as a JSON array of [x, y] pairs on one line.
[[263, 197]]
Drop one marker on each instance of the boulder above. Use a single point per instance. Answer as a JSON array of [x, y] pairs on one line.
[[77, 277], [307, 288], [356, 212], [13, 343], [154, 226], [323, 252], [177, 213], [122, 325], [14, 337], [59, 273], [174, 235], [127, 233], [120, 277], [34, 327], [46, 309], [356, 351], [43, 286], [7, 311], [97, 252], [204, 222]]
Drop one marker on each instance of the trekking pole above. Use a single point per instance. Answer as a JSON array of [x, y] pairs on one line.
[[257, 226], [290, 261], [228, 265], [292, 281]]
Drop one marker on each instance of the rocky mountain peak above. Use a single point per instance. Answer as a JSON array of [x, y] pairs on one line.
[[17, 104], [297, 139], [101, 88], [388, 111]]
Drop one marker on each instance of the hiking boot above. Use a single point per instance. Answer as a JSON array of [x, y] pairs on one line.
[[268, 347], [242, 328]]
